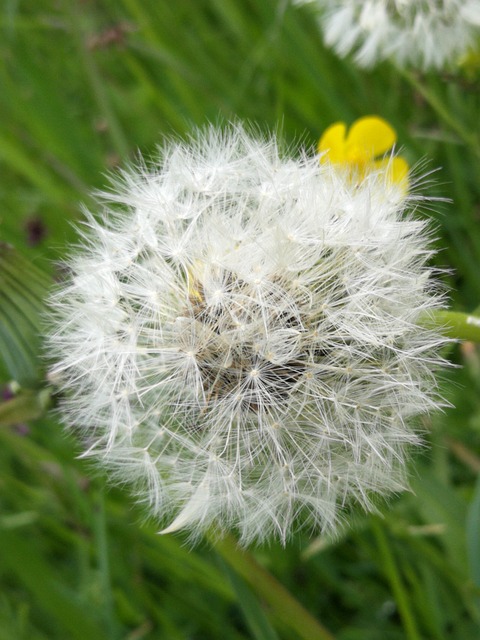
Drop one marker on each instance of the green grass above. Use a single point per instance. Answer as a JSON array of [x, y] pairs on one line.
[[77, 559]]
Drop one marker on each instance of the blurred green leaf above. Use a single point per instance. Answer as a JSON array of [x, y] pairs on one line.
[[75, 621], [22, 290], [440, 503], [473, 535]]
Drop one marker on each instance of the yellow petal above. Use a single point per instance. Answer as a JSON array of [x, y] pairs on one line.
[[397, 169], [371, 136], [332, 143]]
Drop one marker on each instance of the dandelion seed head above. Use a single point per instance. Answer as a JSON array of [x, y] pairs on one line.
[[239, 338], [423, 33]]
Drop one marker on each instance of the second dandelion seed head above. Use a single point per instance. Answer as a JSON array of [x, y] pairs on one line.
[[428, 34]]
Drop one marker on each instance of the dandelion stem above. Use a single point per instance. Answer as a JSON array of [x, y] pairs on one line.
[[455, 324], [282, 604], [396, 584]]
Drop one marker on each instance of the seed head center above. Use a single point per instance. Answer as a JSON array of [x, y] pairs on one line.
[[241, 338]]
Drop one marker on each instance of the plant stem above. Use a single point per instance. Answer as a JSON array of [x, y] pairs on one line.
[[395, 580], [282, 604], [455, 324]]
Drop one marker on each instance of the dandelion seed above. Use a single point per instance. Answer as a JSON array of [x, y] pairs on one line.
[[239, 338]]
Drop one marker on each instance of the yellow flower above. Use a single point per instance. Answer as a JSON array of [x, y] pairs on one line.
[[364, 149]]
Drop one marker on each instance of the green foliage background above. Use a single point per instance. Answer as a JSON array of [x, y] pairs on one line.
[[84, 85]]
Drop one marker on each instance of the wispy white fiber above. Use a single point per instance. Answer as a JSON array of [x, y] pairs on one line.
[[422, 33], [239, 339]]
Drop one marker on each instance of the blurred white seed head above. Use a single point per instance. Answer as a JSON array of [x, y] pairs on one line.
[[422, 33], [238, 338]]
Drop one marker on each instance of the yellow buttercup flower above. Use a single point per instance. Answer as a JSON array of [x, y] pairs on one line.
[[364, 149]]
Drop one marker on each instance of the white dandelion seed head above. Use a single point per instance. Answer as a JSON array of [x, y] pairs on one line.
[[423, 33], [239, 340]]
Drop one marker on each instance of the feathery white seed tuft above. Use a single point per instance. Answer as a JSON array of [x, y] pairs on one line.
[[423, 33], [238, 338]]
